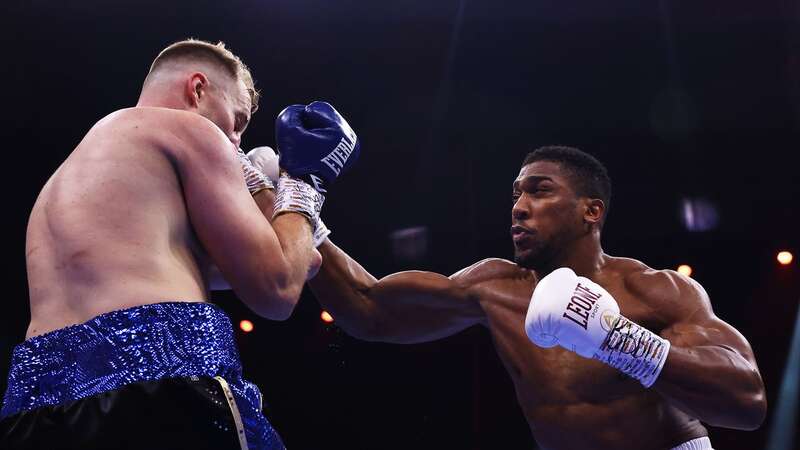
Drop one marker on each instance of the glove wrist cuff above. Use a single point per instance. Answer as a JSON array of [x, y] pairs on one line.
[[321, 232], [295, 195], [634, 350], [255, 179]]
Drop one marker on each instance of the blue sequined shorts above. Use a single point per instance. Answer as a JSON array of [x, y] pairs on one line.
[[145, 343]]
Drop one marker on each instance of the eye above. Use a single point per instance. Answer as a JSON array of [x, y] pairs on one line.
[[515, 196], [240, 122]]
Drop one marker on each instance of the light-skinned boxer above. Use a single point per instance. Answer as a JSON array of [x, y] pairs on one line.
[[123, 349]]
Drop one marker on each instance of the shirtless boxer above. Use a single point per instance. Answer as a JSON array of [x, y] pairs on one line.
[[707, 369], [123, 350]]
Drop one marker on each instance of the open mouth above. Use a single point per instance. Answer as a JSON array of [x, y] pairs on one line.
[[519, 232]]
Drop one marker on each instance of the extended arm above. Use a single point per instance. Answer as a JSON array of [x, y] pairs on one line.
[[404, 307]]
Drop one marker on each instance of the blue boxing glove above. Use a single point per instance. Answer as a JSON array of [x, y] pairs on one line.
[[315, 143]]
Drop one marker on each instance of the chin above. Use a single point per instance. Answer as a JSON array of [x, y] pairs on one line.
[[536, 256], [528, 259]]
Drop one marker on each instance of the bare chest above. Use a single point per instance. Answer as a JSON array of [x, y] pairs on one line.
[[547, 376]]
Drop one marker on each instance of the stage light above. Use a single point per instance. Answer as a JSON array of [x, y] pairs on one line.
[[685, 269], [699, 214], [785, 257], [246, 326], [326, 317]]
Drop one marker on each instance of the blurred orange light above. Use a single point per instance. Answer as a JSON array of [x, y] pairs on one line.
[[326, 317], [246, 326], [685, 269], [785, 257]]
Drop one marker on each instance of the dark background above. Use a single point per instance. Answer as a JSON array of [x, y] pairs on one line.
[[679, 100]]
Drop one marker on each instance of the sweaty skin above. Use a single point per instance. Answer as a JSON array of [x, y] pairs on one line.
[[569, 402], [132, 215]]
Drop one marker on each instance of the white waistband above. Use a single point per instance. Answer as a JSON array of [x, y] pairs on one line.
[[702, 443]]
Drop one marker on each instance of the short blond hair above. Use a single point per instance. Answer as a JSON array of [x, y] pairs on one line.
[[216, 54]]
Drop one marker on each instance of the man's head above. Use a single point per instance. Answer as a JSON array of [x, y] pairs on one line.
[[204, 78], [561, 196]]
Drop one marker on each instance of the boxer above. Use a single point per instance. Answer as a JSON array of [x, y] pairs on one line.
[[604, 352], [123, 349]]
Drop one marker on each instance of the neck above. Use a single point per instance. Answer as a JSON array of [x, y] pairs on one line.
[[159, 99], [585, 256]]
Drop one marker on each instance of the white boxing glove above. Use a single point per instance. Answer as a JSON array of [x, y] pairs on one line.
[[266, 160], [579, 315]]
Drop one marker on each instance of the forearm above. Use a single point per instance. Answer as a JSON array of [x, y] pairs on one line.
[[403, 308], [341, 286], [715, 384], [265, 200], [291, 235], [294, 235]]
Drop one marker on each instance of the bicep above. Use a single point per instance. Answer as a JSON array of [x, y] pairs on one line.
[[694, 324], [709, 331]]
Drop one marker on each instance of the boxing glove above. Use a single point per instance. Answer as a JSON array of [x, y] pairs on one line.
[[265, 160], [579, 315], [315, 143]]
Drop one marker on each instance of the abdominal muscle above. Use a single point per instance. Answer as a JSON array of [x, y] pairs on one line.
[[110, 229]]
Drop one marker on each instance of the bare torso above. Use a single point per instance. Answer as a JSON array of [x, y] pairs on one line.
[[110, 229], [571, 402]]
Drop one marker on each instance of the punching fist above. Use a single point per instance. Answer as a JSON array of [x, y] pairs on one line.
[[315, 143], [579, 315]]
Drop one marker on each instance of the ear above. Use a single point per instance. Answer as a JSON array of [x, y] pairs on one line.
[[594, 210], [196, 88]]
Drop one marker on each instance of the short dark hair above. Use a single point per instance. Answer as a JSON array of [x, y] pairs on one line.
[[588, 176]]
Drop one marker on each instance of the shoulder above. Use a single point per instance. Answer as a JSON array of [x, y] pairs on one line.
[[663, 290], [164, 116], [178, 131], [490, 269]]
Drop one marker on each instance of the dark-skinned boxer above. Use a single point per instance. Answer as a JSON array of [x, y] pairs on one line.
[[640, 370]]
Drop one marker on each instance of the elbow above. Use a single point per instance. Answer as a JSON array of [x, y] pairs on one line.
[[274, 307], [280, 309], [755, 404], [754, 411], [275, 299], [282, 302], [750, 412]]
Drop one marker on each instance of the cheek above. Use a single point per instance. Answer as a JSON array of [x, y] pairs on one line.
[[218, 111], [557, 215]]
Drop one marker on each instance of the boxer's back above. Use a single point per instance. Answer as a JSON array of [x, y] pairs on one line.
[[110, 228]]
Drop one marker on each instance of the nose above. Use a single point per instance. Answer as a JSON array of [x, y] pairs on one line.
[[519, 211]]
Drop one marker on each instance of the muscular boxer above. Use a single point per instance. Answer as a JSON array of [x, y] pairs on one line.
[[123, 350], [640, 370]]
